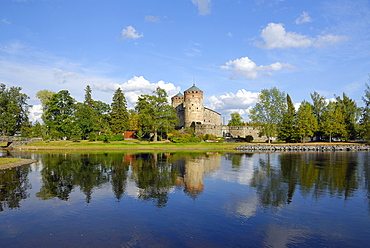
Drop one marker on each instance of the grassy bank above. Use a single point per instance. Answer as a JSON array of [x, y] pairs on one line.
[[9, 160], [127, 145]]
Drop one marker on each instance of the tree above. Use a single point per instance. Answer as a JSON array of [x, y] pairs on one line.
[[155, 114], [319, 106], [287, 131], [118, 115], [333, 122], [58, 113], [351, 115], [85, 119], [306, 121], [13, 110], [102, 111], [88, 98], [268, 111], [236, 120], [44, 96], [365, 117]]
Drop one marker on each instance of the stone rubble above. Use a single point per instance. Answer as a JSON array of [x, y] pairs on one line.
[[282, 148]]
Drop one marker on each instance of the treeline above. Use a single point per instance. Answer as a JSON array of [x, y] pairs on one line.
[[65, 118], [317, 120]]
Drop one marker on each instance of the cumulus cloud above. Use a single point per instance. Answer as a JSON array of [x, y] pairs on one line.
[[35, 113], [130, 32], [137, 86], [241, 102], [247, 68], [62, 77], [303, 18], [204, 6], [276, 36]]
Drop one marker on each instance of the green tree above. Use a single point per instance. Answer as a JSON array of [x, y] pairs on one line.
[[351, 115], [44, 96], [333, 122], [268, 111], [236, 120], [88, 97], [306, 121], [58, 114], [155, 114], [319, 106], [288, 127], [119, 121], [102, 110], [13, 110], [85, 119], [365, 117]]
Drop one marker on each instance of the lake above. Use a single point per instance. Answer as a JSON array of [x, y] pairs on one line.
[[118, 199]]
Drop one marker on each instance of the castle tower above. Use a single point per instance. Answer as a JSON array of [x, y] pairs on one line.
[[193, 106], [177, 102]]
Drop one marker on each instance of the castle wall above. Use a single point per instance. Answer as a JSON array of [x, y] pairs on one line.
[[234, 131], [211, 117]]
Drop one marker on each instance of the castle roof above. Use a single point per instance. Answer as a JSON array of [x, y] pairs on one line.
[[193, 88], [179, 95]]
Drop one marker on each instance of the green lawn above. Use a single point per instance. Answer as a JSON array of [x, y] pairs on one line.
[[8, 160], [128, 145]]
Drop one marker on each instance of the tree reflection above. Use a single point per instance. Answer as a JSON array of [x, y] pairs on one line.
[[13, 187], [314, 174]]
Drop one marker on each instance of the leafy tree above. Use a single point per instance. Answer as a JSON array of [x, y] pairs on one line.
[[236, 120], [155, 114], [118, 115], [85, 120], [319, 106], [13, 110], [58, 113], [134, 119], [333, 122], [102, 110], [306, 121], [268, 112], [44, 96], [365, 117], [287, 131], [351, 115]]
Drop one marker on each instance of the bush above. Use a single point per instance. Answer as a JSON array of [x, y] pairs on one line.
[[92, 136], [184, 138], [249, 138], [106, 138]]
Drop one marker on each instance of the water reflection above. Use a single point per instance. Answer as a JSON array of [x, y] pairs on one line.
[[14, 184], [276, 177]]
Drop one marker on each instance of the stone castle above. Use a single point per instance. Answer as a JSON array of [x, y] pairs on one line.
[[192, 113]]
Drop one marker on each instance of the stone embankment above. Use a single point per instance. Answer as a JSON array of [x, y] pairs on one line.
[[302, 148]]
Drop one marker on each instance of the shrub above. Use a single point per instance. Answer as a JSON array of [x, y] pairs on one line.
[[249, 138], [92, 136]]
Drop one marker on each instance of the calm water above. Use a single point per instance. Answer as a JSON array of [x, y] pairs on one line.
[[187, 200]]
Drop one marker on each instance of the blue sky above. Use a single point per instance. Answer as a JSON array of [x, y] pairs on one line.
[[231, 49]]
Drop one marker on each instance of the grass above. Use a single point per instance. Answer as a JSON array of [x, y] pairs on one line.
[[127, 145], [8, 160]]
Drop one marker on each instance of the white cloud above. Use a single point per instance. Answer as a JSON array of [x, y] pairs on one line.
[[303, 18], [35, 113], [247, 68], [241, 102], [153, 18], [204, 6], [130, 32], [275, 36], [137, 86], [6, 21]]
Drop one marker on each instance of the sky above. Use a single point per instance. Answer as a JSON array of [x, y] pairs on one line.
[[230, 49]]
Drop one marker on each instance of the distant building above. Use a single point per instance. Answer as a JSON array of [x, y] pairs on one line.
[[192, 113]]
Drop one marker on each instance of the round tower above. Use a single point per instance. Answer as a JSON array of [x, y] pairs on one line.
[[194, 110], [177, 100]]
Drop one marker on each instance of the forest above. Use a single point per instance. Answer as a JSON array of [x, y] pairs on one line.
[[154, 118]]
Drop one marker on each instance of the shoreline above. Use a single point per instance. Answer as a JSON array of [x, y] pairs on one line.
[[304, 148], [17, 164]]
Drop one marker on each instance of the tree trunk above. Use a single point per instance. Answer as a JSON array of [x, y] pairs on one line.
[[155, 137]]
